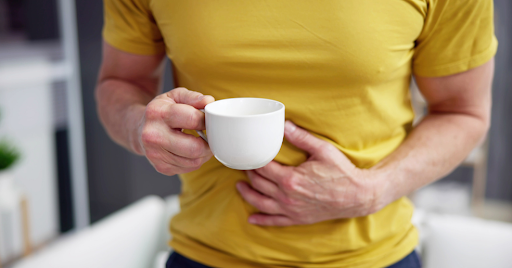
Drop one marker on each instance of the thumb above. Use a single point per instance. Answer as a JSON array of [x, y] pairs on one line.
[[192, 98], [303, 139]]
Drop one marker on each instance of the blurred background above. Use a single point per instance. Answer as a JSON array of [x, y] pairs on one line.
[[67, 175]]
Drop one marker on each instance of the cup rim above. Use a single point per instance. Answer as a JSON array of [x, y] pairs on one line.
[[244, 116]]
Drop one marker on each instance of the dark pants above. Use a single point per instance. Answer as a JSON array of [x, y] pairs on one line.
[[179, 261]]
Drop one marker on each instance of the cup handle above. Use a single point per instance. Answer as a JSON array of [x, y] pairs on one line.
[[200, 133]]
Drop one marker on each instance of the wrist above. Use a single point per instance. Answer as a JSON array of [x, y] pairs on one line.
[[134, 121], [380, 185]]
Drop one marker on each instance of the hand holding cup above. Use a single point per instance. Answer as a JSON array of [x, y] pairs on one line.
[[160, 137]]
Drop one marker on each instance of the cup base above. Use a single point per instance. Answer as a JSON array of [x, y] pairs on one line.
[[244, 167]]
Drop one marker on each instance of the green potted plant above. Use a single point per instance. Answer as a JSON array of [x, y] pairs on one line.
[[10, 196], [9, 155]]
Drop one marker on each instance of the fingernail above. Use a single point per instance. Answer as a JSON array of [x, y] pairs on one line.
[[238, 185], [200, 98], [252, 220], [289, 127]]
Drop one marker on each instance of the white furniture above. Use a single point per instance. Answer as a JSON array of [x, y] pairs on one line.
[[135, 238], [130, 238], [25, 104], [14, 223], [458, 241]]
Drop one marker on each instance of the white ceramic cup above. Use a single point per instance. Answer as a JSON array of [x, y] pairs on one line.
[[244, 133]]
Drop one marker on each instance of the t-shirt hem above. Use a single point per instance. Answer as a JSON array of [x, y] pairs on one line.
[[207, 256], [459, 66], [213, 258], [132, 48]]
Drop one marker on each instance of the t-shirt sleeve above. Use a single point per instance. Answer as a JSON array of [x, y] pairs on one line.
[[458, 35], [130, 27]]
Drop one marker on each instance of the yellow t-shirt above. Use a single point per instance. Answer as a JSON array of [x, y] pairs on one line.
[[342, 68]]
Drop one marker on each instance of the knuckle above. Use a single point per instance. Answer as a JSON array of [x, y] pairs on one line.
[[149, 137], [297, 216], [195, 162], [257, 182], [196, 150], [194, 95], [289, 202], [188, 118], [194, 120], [153, 112], [159, 168], [266, 206], [326, 147], [173, 114], [178, 91], [301, 135], [290, 183], [174, 111], [152, 155], [256, 203], [163, 169]]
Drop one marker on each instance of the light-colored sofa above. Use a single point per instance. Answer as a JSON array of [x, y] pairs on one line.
[[135, 237]]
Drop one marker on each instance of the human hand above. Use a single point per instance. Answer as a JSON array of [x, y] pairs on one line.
[[160, 137], [327, 186]]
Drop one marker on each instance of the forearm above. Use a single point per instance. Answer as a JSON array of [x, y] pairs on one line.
[[121, 107], [432, 150]]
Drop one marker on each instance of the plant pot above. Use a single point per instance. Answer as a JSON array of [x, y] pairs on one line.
[[8, 192], [11, 233]]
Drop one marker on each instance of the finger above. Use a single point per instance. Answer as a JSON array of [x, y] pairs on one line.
[[263, 185], [185, 162], [184, 116], [172, 140], [270, 220], [186, 145], [303, 139], [169, 169], [174, 159], [261, 202], [193, 98], [275, 172]]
